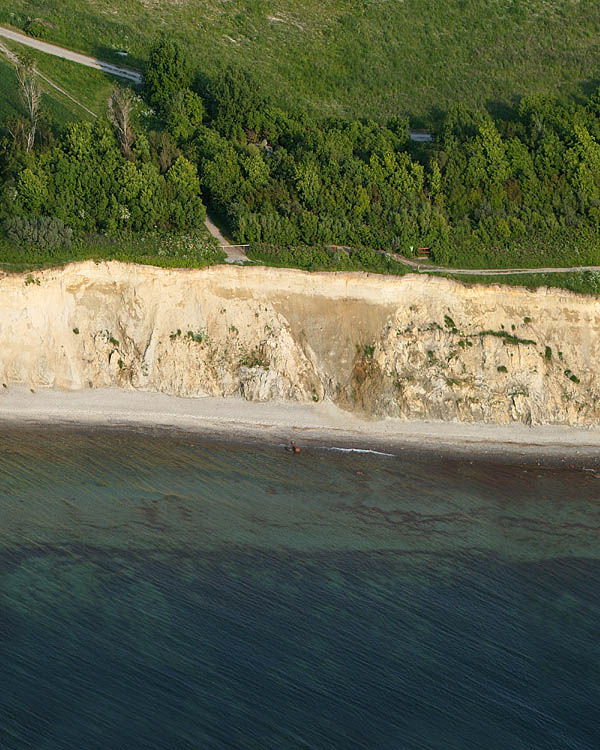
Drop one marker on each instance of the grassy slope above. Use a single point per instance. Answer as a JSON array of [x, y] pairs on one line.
[[9, 98], [355, 57], [60, 108], [90, 87]]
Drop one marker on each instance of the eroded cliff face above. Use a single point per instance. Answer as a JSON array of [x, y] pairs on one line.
[[415, 347]]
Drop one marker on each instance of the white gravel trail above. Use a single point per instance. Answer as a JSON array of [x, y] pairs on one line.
[[67, 54]]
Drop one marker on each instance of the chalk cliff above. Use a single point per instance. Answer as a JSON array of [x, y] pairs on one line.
[[416, 347]]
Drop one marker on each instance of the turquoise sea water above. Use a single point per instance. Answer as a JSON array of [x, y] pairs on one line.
[[171, 592]]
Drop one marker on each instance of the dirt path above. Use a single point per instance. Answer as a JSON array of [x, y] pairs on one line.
[[234, 253], [425, 268], [66, 54]]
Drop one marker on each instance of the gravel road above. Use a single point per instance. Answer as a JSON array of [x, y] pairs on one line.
[[66, 54], [425, 268]]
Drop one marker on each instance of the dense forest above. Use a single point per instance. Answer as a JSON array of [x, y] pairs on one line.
[[521, 189]]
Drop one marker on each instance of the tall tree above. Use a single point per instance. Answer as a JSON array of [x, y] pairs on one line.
[[31, 95], [168, 70], [120, 113], [236, 102]]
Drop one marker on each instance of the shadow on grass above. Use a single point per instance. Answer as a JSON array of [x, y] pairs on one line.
[[500, 109], [587, 88], [114, 56]]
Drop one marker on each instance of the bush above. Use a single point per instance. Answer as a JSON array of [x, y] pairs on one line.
[[165, 249], [235, 102], [185, 114], [35, 28], [325, 258], [42, 231]]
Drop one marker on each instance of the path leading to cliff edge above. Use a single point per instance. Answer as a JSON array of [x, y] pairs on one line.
[[91, 62], [424, 268], [234, 253]]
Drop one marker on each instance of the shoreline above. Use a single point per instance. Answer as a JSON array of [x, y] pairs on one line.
[[322, 424]]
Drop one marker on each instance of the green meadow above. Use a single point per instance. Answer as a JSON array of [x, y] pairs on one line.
[[10, 105], [90, 87], [58, 107], [375, 58]]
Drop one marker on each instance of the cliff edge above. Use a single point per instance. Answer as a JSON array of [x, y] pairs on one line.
[[414, 347]]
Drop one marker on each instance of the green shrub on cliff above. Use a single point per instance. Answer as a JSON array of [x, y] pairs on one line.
[[168, 71], [168, 250]]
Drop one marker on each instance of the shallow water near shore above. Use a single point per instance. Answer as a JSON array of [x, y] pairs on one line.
[[166, 591]]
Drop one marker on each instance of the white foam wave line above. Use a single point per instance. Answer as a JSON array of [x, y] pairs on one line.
[[358, 450], [345, 450]]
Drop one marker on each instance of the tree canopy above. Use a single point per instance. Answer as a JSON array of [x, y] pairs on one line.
[[523, 189], [168, 71]]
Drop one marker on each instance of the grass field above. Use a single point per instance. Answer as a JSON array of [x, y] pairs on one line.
[[9, 98], [88, 86], [58, 107], [352, 57]]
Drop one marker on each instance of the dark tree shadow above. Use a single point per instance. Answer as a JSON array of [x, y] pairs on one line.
[[110, 55], [500, 109], [587, 88]]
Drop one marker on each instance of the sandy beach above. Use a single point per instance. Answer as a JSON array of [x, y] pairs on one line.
[[321, 423]]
